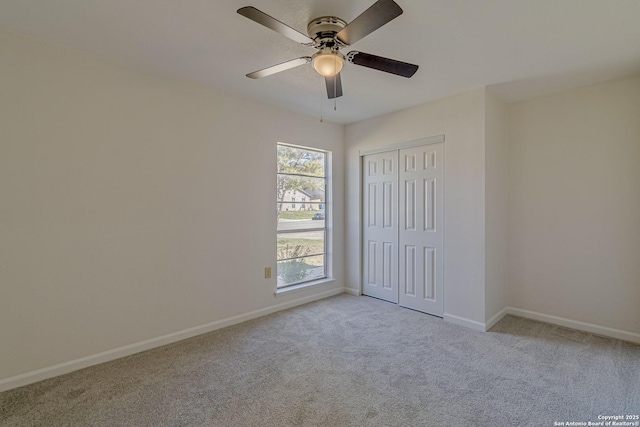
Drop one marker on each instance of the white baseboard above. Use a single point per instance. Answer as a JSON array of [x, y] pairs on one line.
[[468, 323], [575, 324], [495, 319], [555, 320], [106, 356], [127, 350]]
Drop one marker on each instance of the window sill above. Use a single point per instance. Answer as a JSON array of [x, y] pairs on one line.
[[301, 287]]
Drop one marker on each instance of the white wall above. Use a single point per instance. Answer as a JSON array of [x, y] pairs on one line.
[[496, 179], [461, 119], [574, 204], [133, 206]]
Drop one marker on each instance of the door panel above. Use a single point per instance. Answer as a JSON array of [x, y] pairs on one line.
[[410, 270], [429, 273], [421, 236], [380, 233]]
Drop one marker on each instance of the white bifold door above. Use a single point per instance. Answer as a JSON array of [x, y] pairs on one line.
[[402, 227], [380, 220]]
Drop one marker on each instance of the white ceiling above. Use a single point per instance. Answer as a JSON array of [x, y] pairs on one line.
[[523, 47]]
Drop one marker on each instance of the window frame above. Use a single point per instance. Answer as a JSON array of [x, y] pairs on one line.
[[323, 205]]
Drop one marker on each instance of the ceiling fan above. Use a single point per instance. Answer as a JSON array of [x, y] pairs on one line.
[[329, 34]]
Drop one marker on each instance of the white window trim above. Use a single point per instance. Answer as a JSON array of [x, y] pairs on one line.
[[328, 227], [303, 286]]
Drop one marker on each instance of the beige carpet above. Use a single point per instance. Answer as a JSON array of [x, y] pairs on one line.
[[347, 361]]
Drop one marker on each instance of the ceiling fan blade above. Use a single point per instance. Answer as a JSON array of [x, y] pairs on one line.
[[334, 86], [272, 23], [370, 20], [387, 65], [280, 67]]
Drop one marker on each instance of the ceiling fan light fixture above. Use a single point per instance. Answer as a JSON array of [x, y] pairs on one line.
[[327, 63], [329, 34]]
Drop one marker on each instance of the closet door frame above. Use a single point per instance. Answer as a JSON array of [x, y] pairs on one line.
[[387, 148]]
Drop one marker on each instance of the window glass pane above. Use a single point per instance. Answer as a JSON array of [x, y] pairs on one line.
[[292, 245], [300, 270], [300, 161], [300, 220], [292, 188], [301, 206]]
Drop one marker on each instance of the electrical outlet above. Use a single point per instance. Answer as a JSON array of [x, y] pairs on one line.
[[267, 273]]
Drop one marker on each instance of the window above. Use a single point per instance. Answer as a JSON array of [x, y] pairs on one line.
[[302, 234]]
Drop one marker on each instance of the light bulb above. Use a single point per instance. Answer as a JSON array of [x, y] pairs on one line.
[[328, 63]]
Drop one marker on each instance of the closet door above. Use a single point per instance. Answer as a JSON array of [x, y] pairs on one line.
[[380, 226], [421, 237]]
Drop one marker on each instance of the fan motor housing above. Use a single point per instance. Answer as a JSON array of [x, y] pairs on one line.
[[325, 27]]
